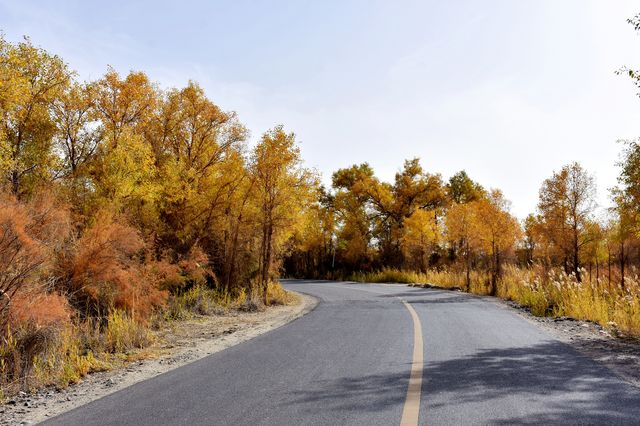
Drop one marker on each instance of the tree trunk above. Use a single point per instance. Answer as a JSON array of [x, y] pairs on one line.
[[468, 262], [622, 283], [576, 256], [497, 272], [609, 267], [15, 183], [265, 272], [263, 255], [234, 253]]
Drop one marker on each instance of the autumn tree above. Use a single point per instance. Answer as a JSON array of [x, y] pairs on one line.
[[421, 235], [123, 103], [594, 251], [627, 195], [354, 215], [567, 201], [228, 230], [198, 153], [77, 137], [623, 227], [497, 231], [386, 206], [462, 231], [313, 244], [30, 80], [282, 188], [413, 189]]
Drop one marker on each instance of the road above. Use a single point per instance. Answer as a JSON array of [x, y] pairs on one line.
[[349, 362]]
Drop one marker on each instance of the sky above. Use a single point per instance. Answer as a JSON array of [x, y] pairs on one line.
[[509, 91]]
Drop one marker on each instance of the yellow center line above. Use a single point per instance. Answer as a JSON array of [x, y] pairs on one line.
[[411, 410]]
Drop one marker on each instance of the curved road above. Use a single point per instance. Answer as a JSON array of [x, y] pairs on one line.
[[348, 362]]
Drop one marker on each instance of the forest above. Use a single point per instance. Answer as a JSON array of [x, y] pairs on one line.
[[123, 204]]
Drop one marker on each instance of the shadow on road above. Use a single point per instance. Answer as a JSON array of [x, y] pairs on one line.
[[558, 384], [378, 392]]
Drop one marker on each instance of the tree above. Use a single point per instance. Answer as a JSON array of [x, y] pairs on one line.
[[594, 251], [30, 81], [354, 215], [567, 201], [497, 230], [461, 189], [123, 103], [623, 227], [76, 139], [198, 153], [282, 188], [627, 196], [461, 225], [313, 245], [387, 206], [421, 234]]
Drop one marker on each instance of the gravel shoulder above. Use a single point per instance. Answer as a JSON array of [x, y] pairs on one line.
[[180, 343]]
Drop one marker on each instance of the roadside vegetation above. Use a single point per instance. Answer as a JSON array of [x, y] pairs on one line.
[[124, 205]]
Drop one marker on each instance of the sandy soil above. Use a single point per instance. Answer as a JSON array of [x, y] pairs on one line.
[[182, 342]]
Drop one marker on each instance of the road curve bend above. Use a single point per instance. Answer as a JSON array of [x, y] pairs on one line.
[[355, 360]]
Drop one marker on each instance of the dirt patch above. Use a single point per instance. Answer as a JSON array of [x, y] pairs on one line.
[[181, 343]]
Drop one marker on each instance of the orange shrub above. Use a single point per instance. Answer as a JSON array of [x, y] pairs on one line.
[[108, 272], [194, 266], [39, 309], [30, 236]]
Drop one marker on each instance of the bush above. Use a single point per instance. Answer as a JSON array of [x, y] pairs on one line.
[[32, 234], [107, 271]]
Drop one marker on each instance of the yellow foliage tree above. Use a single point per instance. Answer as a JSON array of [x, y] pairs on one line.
[[421, 234], [282, 188]]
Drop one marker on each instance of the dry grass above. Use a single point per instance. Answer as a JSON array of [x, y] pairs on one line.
[[198, 300], [552, 293], [123, 334], [35, 356], [277, 295]]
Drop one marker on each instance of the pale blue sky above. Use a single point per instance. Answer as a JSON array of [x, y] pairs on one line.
[[508, 90]]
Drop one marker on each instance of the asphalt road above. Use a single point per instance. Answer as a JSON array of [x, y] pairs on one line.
[[348, 362]]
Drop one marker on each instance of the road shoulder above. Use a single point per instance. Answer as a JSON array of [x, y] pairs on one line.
[[184, 342]]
